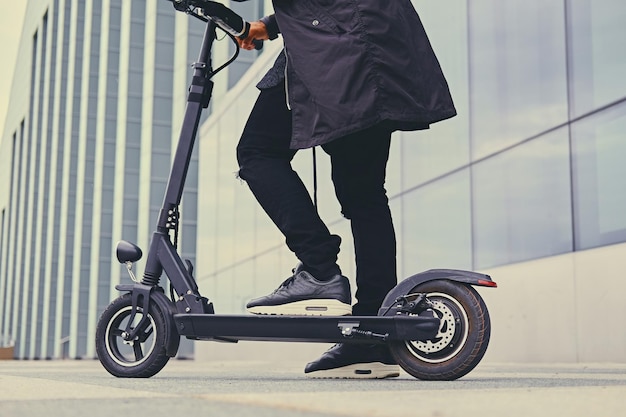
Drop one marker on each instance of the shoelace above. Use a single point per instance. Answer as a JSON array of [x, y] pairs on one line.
[[285, 283]]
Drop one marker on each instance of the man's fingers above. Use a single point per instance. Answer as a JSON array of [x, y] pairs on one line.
[[248, 44]]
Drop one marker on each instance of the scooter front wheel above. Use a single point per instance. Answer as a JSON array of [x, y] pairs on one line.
[[461, 341], [141, 357]]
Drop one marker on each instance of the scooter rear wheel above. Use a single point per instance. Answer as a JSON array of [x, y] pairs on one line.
[[142, 357], [462, 339]]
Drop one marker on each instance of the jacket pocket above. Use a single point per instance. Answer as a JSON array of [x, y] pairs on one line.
[[319, 16]]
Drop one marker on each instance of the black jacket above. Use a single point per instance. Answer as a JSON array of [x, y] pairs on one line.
[[352, 64]]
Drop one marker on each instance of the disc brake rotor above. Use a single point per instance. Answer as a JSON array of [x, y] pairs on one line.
[[444, 336], [452, 335]]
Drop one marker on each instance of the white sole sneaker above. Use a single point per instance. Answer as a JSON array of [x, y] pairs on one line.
[[374, 370], [321, 307]]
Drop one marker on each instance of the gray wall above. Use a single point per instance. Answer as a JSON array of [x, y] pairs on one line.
[[530, 171]]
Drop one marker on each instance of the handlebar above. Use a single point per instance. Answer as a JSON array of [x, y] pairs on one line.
[[229, 21]]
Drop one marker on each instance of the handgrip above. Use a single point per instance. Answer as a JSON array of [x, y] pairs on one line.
[[224, 17], [258, 44]]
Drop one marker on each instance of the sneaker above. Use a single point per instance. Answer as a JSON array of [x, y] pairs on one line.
[[302, 294], [348, 360]]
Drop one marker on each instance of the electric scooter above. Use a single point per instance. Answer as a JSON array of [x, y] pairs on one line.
[[435, 323]]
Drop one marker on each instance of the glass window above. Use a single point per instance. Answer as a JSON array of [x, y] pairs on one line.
[[133, 133], [108, 174], [445, 146], [115, 11], [244, 227], [114, 39], [160, 163], [111, 105], [166, 23], [135, 82], [161, 137], [596, 53], [163, 80], [207, 201], [135, 104], [249, 11], [107, 219], [109, 153], [436, 226], [135, 58], [114, 61], [131, 208], [193, 45], [522, 203], [157, 191], [187, 242], [518, 83], [190, 206], [137, 32], [237, 69], [164, 54], [2, 260], [163, 108], [599, 147]]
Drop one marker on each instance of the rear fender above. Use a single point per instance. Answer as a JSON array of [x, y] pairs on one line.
[[406, 286]]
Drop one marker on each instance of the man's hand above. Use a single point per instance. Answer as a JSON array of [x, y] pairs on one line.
[[258, 31]]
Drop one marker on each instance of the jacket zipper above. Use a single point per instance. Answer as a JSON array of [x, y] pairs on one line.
[[286, 83]]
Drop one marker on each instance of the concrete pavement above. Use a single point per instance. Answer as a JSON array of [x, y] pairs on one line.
[[267, 387]]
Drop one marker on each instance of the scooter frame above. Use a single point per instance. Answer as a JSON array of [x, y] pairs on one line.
[[401, 317]]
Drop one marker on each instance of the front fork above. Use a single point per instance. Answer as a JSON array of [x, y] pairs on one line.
[[163, 257]]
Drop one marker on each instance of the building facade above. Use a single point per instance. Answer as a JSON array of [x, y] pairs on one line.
[[98, 97], [525, 184]]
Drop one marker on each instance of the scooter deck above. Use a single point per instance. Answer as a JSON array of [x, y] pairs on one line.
[[331, 329]]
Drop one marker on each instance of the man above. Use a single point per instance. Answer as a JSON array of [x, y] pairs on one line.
[[351, 73]]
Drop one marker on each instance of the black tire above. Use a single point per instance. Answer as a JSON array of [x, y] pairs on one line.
[[140, 358], [462, 339]]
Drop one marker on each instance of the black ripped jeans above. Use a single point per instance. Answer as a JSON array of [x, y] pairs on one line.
[[359, 162]]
